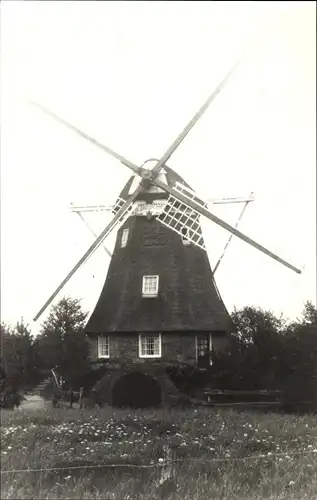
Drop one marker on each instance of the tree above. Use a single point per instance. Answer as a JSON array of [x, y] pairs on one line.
[[309, 314], [257, 336], [62, 342], [256, 326], [17, 367], [17, 350], [298, 361]]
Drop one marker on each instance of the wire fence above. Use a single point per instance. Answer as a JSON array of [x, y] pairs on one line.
[[162, 464]]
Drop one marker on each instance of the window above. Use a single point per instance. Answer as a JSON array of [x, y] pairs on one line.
[[203, 348], [150, 286], [103, 346], [185, 239], [124, 238], [203, 344], [150, 345]]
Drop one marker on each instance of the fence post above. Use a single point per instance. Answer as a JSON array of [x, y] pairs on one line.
[[167, 482]]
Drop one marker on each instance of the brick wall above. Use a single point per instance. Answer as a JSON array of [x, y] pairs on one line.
[[176, 346]]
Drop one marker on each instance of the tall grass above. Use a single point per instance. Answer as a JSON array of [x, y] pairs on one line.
[[262, 456]]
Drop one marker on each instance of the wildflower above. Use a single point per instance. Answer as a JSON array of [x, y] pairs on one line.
[[161, 460], [291, 483]]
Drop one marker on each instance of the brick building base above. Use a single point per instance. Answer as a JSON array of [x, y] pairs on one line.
[[104, 391]]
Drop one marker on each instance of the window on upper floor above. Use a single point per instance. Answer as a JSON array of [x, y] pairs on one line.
[[185, 239], [150, 286], [103, 346], [124, 238], [150, 345]]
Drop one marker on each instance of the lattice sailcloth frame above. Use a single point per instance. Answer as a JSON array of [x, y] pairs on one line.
[[183, 219]]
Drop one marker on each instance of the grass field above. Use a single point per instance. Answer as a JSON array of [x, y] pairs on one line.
[[261, 456]]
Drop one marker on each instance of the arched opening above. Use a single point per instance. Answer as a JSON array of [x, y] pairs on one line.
[[136, 390]]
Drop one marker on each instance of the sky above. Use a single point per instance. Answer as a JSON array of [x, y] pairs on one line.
[[132, 74]]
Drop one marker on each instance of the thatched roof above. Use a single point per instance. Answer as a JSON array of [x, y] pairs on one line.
[[188, 299]]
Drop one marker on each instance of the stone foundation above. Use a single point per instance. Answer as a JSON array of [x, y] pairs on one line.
[[155, 381]]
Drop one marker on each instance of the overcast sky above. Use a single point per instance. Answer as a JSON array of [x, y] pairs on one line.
[[132, 74]]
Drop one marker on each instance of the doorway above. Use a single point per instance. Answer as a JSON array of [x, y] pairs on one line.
[[203, 347]]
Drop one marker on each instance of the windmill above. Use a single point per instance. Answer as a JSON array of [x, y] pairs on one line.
[[160, 301]]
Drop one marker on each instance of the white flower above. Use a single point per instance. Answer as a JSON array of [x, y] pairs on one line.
[[68, 477], [291, 483], [161, 460]]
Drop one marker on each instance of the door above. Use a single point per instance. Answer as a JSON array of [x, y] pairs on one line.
[[203, 346]]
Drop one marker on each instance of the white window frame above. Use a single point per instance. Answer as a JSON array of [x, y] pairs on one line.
[[124, 237], [141, 336], [150, 293], [210, 345], [99, 346]]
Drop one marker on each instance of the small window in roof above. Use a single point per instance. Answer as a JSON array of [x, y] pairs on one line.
[[150, 286], [124, 238], [185, 239]]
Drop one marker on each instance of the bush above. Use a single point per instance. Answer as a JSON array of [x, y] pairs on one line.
[[11, 400]]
